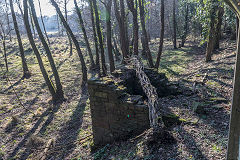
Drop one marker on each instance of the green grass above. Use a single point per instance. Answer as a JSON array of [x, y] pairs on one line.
[[173, 62]]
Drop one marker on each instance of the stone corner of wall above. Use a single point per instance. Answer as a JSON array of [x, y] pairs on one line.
[[115, 114]]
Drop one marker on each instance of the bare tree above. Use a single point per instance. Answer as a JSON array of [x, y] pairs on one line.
[[26, 73], [19, 7], [59, 90], [44, 28], [234, 128], [32, 23], [8, 20], [220, 13], [100, 39], [132, 5], [66, 17], [58, 24], [94, 36], [84, 33], [184, 36], [3, 35], [68, 29], [36, 51], [211, 36], [161, 36], [108, 5], [144, 32], [174, 25], [120, 16]]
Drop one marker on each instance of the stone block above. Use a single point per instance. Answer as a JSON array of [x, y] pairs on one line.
[[141, 108], [102, 123], [132, 107], [124, 107], [101, 94], [98, 135], [99, 113], [112, 97]]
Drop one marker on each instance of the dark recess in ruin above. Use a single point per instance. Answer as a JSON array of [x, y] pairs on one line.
[[119, 106]]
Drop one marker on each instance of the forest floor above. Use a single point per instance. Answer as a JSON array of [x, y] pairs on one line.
[[24, 135]]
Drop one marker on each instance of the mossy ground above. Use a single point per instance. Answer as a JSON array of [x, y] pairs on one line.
[[69, 124]]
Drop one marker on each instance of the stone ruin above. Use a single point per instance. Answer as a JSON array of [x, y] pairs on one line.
[[119, 106]]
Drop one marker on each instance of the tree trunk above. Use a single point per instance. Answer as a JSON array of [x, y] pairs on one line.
[[8, 21], [122, 28], [125, 24], [161, 36], [20, 8], [212, 36], [144, 32], [34, 47], [174, 26], [100, 39], [26, 73], [31, 20], [218, 27], [116, 50], [234, 129], [131, 45], [84, 34], [68, 29], [95, 36], [59, 90], [133, 9], [184, 36], [144, 54], [69, 38], [109, 34], [237, 25], [5, 52], [44, 28], [58, 25]]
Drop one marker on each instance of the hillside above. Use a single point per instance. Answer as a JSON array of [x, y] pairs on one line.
[[25, 132]]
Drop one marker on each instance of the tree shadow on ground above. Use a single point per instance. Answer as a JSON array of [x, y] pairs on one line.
[[22, 143], [13, 49], [193, 50], [34, 100], [50, 113], [191, 144], [43, 121], [213, 118], [15, 84], [66, 142]]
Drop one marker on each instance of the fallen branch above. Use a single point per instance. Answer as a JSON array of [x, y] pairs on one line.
[[49, 143]]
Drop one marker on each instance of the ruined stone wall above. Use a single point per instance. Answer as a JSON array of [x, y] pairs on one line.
[[115, 114]]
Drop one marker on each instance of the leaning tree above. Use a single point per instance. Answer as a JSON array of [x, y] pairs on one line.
[[59, 90], [74, 39], [234, 132], [79, 14], [37, 53]]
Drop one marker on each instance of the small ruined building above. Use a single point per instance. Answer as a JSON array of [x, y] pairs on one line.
[[119, 106]]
